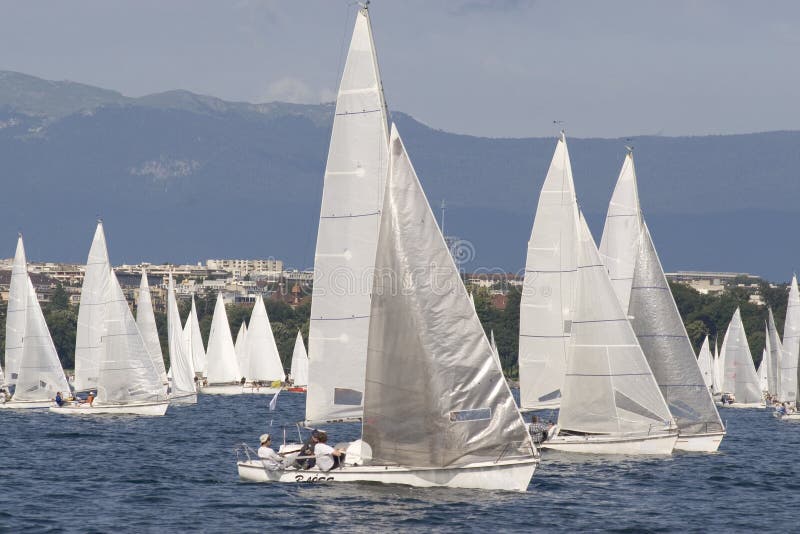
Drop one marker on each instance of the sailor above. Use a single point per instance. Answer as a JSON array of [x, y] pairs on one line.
[[271, 459], [90, 398], [4, 396], [59, 399], [327, 457], [538, 430], [306, 458]]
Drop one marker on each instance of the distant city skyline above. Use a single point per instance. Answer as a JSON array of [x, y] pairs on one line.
[[507, 68]]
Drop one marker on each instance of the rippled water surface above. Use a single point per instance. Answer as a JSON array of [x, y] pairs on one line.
[[178, 473]]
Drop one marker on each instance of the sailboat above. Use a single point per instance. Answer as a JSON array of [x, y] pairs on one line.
[[739, 377], [110, 353], [611, 402], [299, 368], [39, 375], [716, 388], [774, 355], [16, 319], [146, 320], [263, 365], [705, 360], [787, 391], [762, 372], [437, 410], [239, 347], [183, 386], [350, 215], [194, 341], [668, 349], [223, 367], [548, 290]]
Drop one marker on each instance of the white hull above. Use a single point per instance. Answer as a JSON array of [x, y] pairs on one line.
[[743, 405], [181, 399], [237, 389], [788, 417], [511, 475], [26, 405], [699, 442], [138, 408], [250, 390], [595, 444]]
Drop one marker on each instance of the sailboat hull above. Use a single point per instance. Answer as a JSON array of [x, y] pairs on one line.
[[183, 399], [660, 444], [137, 408], [699, 442], [237, 389], [788, 416], [508, 475], [26, 405], [742, 405]]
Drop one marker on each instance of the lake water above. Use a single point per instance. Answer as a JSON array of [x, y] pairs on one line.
[[178, 473]]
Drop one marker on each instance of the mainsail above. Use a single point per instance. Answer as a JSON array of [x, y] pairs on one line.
[[221, 356], [194, 340], [91, 313], [238, 347], [15, 314], [774, 350], [263, 362], [547, 302], [299, 369], [609, 387], [762, 371], [348, 233], [40, 375], [181, 365], [619, 243], [706, 363], [738, 371], [666, 345], [434, 396], [146, 320], [791, 346]]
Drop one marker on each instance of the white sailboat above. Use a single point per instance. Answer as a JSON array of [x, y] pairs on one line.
[[437, 410], [355, 175], [115, 358], [787, 391], [263, 363], [774, 355], [611, 402], [223, 368], [194, 341], [299, 367], [16, 319], [762, 372], [183, 387], [548, 292], [39, 375], [739, 376], [668, 349], [146, 320], [619, 243], [239, 348], [705, 360], [718, 371]]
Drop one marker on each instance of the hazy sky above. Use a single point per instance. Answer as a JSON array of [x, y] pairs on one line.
[[494, 68]]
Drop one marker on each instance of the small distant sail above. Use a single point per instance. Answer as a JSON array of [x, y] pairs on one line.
[[299, 369]]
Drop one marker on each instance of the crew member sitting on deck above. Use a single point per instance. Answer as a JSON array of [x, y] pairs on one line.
[[271, 459], [306, 458], [327, 457], [538, 430], [59, 399]]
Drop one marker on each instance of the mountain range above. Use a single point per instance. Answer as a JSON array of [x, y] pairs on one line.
[[180, 177]]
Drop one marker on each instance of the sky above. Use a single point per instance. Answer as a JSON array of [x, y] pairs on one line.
[[501, 68]]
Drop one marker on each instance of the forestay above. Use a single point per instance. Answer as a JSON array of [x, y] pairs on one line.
[[619, 242], [15, 313], [666, 345], [181, 364], [91, 313], [706, 363], [791, 345], [146, 320], [221, 356], [609, 387], [738, 371], [263, 362], [126, 372], [299, 369], [434, 395], [40, 373], [548, 292], [355, 175]]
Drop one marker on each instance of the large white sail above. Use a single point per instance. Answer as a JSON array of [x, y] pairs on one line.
[[126, 372], [91, 313], [221, 356], [609, 387], [791, 346], [355, 175], [434, 396], [666, 345], [738, 370], [40, 375], [619, 243], [706, 363], [181, 365], [263, 362], [16, 314], [194, 340], [774, 350], [146, 320], [241, 354], [547, 302], [299, 368], [762, 371], [718, 369]]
